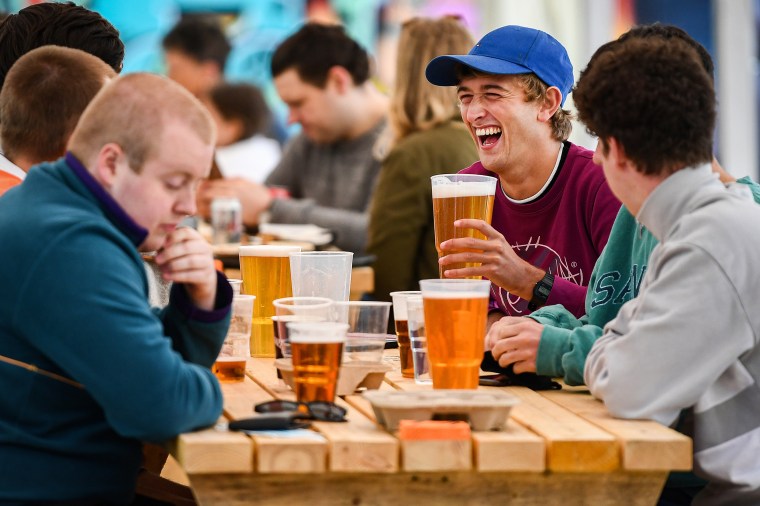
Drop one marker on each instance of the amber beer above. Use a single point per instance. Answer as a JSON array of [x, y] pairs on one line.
[[459, 196], [230, 364], [316, 350], [266, 274], [455, 322], [402, 331], [404, 348], [229, 369]]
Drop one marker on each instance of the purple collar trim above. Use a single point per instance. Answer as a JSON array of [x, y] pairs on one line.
[[116, 213]]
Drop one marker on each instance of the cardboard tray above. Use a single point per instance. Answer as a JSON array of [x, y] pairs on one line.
[[483, 410], [352, 375]]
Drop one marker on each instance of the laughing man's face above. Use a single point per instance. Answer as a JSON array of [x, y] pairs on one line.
[[504, 126]]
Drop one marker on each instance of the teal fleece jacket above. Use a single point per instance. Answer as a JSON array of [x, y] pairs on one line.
[[616, 278], [73, 301]]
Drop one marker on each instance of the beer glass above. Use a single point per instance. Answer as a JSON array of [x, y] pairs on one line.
[[367, 328], [322, 274], [418, 340], [235, 284], [455, 197], [230, 364], [317, 348], [402, 331], [296, 309], [266, 274], [456, 311]]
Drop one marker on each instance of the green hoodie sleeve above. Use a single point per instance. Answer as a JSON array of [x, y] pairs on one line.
[[565, 342], [753, 187]]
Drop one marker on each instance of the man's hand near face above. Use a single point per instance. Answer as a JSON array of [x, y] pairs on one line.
[[186, 258]]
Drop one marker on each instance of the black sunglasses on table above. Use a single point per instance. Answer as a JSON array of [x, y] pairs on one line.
[[318, 410], [286, 415]]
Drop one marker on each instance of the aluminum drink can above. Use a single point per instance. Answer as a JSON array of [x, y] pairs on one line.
[[226, 220]]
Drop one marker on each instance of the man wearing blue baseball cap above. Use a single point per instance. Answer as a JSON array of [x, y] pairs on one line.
[[553, 209]]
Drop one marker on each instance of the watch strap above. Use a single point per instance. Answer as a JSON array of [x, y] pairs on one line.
[[541, 292]]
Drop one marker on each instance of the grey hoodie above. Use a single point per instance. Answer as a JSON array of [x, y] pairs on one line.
[[689, 341]]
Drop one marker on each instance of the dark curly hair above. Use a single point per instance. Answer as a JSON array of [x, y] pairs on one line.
[[59, 24], [244, 102], [652, 96], [669, 32], [314, 49], [200, 37]]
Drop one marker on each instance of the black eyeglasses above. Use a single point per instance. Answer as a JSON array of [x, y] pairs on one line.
[[317, 410]]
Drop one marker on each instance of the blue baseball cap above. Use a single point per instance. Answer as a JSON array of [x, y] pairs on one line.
[[509, 50]]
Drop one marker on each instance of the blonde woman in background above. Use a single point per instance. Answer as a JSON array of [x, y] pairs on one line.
[[425, 137]]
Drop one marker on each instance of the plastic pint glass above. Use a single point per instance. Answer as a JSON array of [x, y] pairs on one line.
[[317, 348], [456, 311], [266, 274], [402, 331], [458, 196]]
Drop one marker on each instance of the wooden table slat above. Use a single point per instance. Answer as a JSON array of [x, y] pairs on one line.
[[358, 445], [645, 445]]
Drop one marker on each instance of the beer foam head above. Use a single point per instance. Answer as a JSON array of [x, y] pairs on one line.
[[455, 295], [317, 332], [399, 303], [463, 189], [268, 250]]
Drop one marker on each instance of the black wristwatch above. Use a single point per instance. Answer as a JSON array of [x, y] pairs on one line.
[[541, 292]]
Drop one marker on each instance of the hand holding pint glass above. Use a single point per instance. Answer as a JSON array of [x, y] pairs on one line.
[[456, 311], [460, 196]]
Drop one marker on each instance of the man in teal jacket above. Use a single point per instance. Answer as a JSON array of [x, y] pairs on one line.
[[552, 341], [87, 369]]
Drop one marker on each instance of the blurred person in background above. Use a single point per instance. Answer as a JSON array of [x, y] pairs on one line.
[[196, 51], [88, 369], [329, 169], [44, 94], [425, 137], [242, 118], [60, 24]]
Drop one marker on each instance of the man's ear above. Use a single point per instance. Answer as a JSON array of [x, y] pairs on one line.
[[552, 102], [617, 154], [339, 79], [107, 164]]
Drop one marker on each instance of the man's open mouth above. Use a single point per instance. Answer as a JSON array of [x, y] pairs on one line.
[[488, 135]]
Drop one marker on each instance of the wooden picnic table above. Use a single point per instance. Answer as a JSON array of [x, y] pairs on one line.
[[557, 447]]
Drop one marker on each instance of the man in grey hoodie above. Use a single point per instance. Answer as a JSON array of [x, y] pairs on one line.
[[652, 106]]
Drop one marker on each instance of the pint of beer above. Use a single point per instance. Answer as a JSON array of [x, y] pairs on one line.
[[266, 274], [316, 349], [295, 309], [458, 196], [230, 364], [456, 311], [402, 331]]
